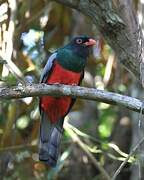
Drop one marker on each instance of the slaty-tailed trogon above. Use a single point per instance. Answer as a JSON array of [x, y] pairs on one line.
[[65, 66]]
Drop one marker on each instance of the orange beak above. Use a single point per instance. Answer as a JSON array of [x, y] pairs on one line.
[[91, 42]]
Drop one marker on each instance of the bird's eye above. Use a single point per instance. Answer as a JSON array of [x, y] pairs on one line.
[[79, 41]]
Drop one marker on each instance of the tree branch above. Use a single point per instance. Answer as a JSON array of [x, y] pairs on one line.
[[126, 160], [118, 24], [73, 91], [84, 147]]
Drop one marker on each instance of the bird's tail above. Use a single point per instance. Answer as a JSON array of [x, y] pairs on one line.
[[50, 137]]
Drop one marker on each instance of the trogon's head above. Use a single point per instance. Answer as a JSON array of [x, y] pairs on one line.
[[81, 45]]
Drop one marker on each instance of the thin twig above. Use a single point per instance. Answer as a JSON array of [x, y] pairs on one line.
[[17, 147], [20, 78], [76, 139], [110, 145], [126, 160], [14, 70], [23, 146]]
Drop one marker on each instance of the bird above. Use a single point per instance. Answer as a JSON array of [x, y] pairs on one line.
[[65, 66]]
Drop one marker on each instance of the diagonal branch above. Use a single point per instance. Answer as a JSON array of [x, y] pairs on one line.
[[84, 147], [126, 160], [34, 90]]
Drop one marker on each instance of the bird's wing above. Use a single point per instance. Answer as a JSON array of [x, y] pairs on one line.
[[46, 72], [47, 68]]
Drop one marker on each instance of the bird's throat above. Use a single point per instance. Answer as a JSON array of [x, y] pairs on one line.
[[71, 61]]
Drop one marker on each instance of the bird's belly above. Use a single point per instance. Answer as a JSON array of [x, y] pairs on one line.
[[56, 108]]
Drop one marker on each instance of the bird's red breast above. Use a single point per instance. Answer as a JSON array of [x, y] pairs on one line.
[[56, 108]]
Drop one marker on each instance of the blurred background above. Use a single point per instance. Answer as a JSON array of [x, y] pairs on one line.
[[94, 132]]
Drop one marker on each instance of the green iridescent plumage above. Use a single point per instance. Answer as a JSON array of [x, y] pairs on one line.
[[70, 61]]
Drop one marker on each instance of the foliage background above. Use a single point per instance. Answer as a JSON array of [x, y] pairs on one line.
[[29, 32]]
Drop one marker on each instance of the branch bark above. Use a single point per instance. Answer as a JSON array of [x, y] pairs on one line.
[[117, 22], [34, 90]]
